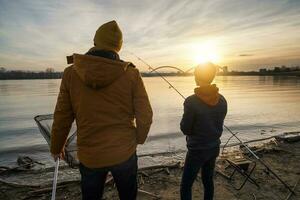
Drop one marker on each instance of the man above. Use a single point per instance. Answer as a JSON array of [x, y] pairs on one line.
[[202, 123], [107, 98]]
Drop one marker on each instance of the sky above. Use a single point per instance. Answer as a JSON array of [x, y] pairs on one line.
[[242, 34]]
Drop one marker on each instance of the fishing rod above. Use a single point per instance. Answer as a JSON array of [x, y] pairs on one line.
[[226, 127], [55, 179]]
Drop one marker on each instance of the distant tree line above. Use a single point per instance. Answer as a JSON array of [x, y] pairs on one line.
[[283, 68], [153, 74], [49, 73]]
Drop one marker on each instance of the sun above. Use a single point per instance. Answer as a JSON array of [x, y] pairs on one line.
[[206, 52], [207, 57]]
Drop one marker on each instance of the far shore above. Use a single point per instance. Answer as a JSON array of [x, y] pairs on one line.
[[58, 75]]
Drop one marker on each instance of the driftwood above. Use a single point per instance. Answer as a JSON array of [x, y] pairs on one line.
[[155, 171], [166, 153], [22, 168], [144, 173], [109, 179], [44, 190], [13, 184], [40, 192], [48, 188], [141, 180], [25, 163], [265, 149], [27, 167], [47, 185], [170, 166], [294, 188], [184, 151], [3, 168], [149, 193], [8, 170], [250, 141], [167, 170]]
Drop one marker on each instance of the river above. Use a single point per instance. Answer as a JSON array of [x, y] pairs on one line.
[[258, 106]]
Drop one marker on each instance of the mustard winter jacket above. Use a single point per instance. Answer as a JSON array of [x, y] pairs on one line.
[[108, 100]]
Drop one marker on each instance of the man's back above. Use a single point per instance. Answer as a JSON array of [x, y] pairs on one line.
[[104, 96]]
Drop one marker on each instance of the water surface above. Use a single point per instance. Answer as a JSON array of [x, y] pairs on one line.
[[258, 106]]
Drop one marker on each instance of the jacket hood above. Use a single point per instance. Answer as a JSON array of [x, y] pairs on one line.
[[98, 72], [208, 94]]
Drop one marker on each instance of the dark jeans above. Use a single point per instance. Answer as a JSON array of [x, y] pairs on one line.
[[124, 174], [196, 159]]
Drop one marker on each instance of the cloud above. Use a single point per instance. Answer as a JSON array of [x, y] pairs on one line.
[[39, 34], [245, 55]]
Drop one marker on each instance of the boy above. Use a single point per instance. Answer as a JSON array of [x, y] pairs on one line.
[[202, 123]]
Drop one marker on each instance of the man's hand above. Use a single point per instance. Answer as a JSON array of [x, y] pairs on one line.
[[56, 156]]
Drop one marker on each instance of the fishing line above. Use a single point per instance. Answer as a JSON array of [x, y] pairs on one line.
[[159, 74], [226, 127], [225, 145]]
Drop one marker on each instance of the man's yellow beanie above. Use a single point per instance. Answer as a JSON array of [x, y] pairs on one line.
[[108, 37]]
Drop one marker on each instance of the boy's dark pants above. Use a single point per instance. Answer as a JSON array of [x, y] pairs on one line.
[[196, 159], [124, 174]]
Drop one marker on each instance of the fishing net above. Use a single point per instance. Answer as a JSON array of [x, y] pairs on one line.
[[44, 123]]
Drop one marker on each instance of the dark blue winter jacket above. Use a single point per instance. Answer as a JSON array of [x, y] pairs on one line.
[[202, 123]]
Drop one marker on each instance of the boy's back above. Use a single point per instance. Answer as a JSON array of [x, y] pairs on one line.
[[203, 123]]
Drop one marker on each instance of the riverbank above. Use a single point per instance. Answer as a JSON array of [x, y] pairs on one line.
[[159, 177]]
